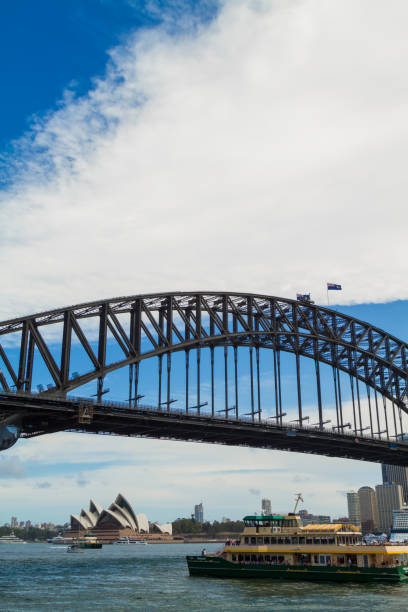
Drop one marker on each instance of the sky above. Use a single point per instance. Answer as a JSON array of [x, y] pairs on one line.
[[240, 145]]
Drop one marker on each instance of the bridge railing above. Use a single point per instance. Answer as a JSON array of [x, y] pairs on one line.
[[124, 408]]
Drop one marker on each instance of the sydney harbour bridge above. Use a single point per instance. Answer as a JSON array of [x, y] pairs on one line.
[[214, 367]]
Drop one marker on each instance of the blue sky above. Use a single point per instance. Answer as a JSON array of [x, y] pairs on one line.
[[49, 47], [154, 146]]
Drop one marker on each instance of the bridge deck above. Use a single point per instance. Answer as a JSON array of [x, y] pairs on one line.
[[44, 414]]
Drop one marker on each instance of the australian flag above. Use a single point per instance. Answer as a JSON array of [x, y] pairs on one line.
[[333, 287], [303, 297]]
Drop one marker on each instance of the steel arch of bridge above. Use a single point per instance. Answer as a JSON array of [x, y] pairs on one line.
[[158, 325]]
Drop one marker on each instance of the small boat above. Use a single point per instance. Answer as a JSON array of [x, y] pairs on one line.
[[126, 540], [74, 548], [278, 546], [11, 539]]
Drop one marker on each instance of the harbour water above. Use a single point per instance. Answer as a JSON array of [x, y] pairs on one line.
[[122, 578]]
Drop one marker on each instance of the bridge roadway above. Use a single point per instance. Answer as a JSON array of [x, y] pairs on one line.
[[42, 414]]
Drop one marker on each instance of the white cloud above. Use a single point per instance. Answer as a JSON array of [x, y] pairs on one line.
[[165, 479], [11, 467], [263, 153]]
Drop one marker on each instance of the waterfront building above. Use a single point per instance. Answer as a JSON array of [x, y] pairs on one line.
[[266, 507], [368, 509], [399, 530], [316, 519], [14, 522], [397, 474], [389, 498], [199, 513], [115, 522], [353, 505], [342, 519]]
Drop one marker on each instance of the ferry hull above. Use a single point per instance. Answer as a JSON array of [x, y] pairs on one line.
[[215, 566]]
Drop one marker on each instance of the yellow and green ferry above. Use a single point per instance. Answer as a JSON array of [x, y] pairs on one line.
[[279, 546]]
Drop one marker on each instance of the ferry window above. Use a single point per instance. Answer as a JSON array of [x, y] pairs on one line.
[[266, 540], [295, 540], [287, 540], [315, 559], [253, 557], [323, 541], [316, 540], [240, 557], [266, 523], [274, 559], [281, 559], [234, 557], [331, 541], [259, 540], [247, 558], [246, 540], [253, 540], [309, 541], [267, 558], [273, 540], [280, 540], [301, 540], [260, 558]]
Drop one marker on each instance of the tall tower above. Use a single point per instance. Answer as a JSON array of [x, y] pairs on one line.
[[389, 498], [397, 474], [199, 513], [266, 507], [353, 504], [368, 509]]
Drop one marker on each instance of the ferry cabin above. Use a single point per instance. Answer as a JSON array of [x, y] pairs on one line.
[[282, 540]]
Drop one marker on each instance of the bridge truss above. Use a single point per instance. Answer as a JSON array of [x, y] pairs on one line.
[[357, 373]]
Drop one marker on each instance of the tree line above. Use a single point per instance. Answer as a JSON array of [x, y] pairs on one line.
[[189, 525], [31, 533]]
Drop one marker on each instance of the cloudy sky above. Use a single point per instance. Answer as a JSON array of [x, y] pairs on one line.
[[252, 145]]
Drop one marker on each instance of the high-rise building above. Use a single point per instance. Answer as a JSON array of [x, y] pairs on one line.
[[353, 505], [389, 498], [14, 522], [397, 474], [199, 513], [399, 531], [368, 509], [266, 507]]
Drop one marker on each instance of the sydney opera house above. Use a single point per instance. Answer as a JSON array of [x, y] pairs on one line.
[[118, 521]]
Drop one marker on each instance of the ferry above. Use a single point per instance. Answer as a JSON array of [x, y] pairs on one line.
[[88, 541], [279, 546], [127, 540], [11, 539]]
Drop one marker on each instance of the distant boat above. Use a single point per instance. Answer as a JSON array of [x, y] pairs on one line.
[[126, 540], [59, 540], [74, 548], [11, 539], [88, 541]]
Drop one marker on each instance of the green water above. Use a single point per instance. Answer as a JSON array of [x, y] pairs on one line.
[[121, 578]]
